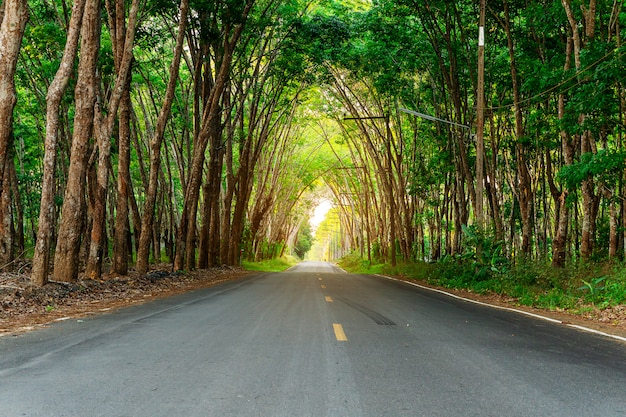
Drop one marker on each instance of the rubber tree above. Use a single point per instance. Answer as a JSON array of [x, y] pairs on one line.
[[66, 259], [41, 256], [156, 145], [15, 16]]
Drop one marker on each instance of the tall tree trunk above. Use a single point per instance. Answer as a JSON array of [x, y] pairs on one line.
[[209, 239], [203, 247], [18, 210], [143, 251], [216, 167], [392, 201], [41, 256], [524, 192], [6, 219], [491, 185], [587, 144], [11, 33], [559, 244], [121, 248], [73, 209], [122, 47], [589, 204], [185, 248], [245, 184], [230, 187], [613, 224]]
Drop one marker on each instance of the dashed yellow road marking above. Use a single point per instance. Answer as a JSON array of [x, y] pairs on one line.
[[339, 333], [329, 299], [323, 286]]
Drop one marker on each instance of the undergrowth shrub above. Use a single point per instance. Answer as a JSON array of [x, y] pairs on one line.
[[577, 287]]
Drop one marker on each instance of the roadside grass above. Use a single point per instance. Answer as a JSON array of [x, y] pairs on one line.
[[271, 265], [578, 288], [355, 265], [419, 271]]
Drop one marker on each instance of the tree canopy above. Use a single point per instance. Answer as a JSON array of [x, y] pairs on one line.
[[198, 133]]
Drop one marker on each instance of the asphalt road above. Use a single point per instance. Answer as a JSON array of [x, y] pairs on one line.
[[311, 342]]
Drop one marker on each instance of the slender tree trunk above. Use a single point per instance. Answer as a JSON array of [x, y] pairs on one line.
[[98, 229], [73, 209], [586, 138], [559, 243], [18, 210], [239, 214], [11, 33], [185, 248], [209, 240], [155, 145], [41, 256], [203, 248], [227, 202], [121, 248], [524, 193], [6, 219], [613, 225], [491, 186], [623, 222], [122, 48], [589, 205], [216, 168], [392, 202]]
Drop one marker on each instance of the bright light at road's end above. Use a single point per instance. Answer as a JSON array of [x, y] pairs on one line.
[[319, 214]]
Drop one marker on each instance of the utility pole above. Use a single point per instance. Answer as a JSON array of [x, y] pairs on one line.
[[480, 121]]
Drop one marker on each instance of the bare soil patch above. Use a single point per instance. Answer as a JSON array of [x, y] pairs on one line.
[[24, 307]]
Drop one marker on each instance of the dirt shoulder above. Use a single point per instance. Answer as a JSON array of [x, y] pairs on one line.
[[24, 307]]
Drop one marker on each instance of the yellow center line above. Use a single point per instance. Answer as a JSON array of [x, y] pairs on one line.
[[339, 333], [323, 286], [320, 279], [329, 299]]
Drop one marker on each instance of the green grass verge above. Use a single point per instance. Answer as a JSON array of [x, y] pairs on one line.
[[577, 288], [271, 265]]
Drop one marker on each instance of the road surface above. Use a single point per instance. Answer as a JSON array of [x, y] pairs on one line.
[[311, 342]]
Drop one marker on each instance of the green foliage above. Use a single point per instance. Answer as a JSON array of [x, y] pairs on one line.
[[304, 242], [354, 264], [324, 38], [389, 54], [594, 288], [529, 283], [483, 253], [605, 165], [271, 265]]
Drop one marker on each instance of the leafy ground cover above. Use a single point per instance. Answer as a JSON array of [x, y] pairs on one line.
[[24, 307]]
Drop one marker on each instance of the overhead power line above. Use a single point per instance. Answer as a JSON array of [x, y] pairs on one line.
[[433, 118]]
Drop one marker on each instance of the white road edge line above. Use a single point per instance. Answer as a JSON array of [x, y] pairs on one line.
[[514, 310]]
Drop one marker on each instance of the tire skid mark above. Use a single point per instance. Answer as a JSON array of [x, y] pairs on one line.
[[377, 317]]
